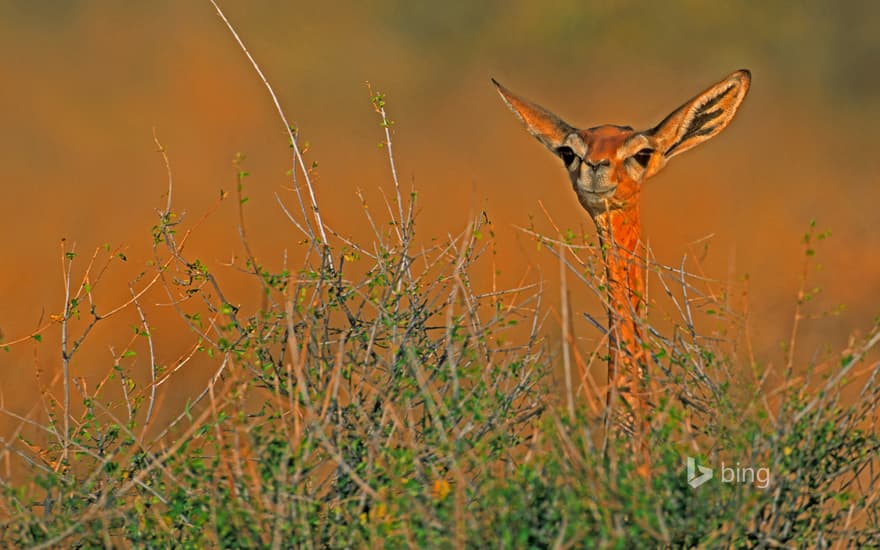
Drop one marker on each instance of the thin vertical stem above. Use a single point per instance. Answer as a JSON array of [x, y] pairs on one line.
[[566, 333], [291, 135], [65, 355]]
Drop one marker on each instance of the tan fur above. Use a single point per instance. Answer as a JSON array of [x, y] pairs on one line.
[[609, 165]]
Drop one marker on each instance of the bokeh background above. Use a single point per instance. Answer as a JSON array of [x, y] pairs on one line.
[[84, 85]]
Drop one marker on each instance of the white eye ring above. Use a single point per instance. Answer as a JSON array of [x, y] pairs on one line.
[[643, 156], [567, 155]]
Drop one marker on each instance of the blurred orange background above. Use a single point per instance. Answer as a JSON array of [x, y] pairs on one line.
[[85, 84]]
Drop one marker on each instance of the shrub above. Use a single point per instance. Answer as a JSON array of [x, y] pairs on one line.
[[377, 396]]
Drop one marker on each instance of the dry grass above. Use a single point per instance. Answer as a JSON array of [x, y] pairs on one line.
[[378, 397]]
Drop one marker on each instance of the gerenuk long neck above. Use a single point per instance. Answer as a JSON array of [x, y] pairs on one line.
[[619, 231]]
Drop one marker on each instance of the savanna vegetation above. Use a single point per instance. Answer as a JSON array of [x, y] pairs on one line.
[[381, 394]]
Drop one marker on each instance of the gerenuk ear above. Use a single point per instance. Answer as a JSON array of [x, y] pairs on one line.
[[541, 123], [703, 117]]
